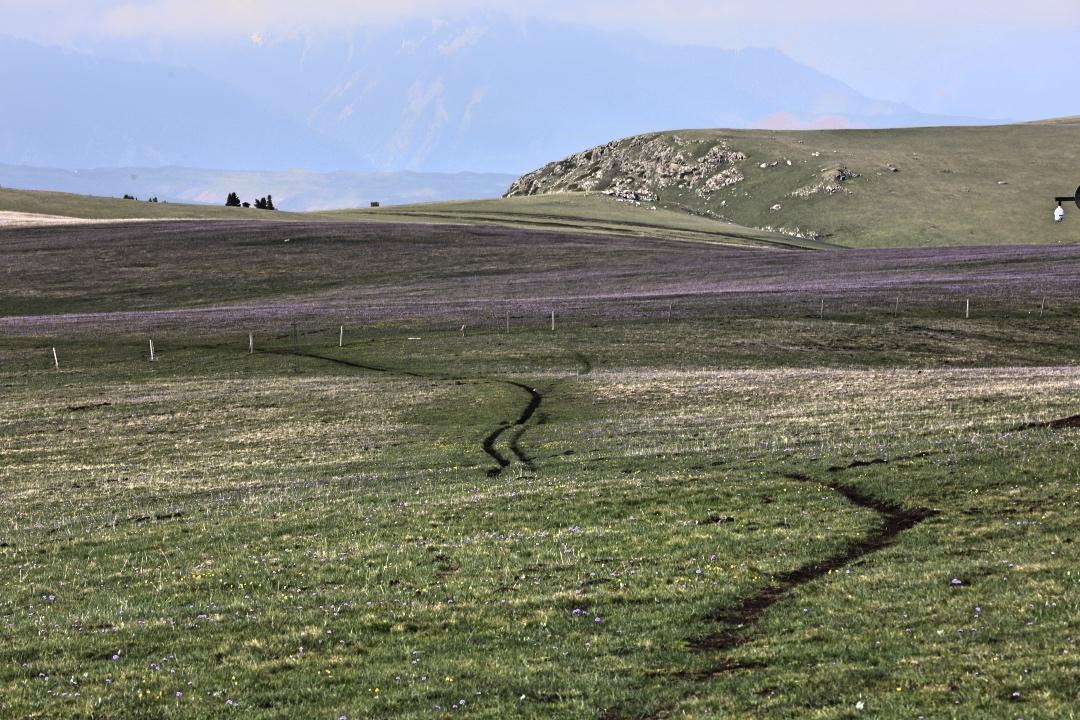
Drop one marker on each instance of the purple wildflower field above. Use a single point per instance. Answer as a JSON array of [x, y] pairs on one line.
[[216, 276]]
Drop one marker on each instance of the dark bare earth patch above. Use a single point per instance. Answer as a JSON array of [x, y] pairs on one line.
[[738, 622], [1072, 421]]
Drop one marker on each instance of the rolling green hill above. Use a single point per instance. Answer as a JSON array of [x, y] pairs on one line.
[[857, 188], [379, 470], [579, 212], [89, 207], [863, 188]]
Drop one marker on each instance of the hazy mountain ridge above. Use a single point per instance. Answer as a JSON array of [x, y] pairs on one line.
[[296, 190], [489, 95], [501, 95], [69, 109]]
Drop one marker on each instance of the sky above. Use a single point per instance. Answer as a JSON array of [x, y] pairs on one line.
[[992, 59], [691, 20]]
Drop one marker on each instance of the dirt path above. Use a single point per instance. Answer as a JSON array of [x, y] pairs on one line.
[[535, 398], [739, 621], [1073, 421], [489, 441], [736, 623]]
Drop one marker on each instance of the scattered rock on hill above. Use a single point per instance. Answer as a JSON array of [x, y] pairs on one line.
[[638, 169], [830, 181], [795, 232]]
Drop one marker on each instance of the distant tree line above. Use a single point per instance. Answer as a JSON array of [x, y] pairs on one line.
[[132, 197], [264, 203]]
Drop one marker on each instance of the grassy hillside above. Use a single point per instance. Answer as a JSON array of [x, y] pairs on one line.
[[576, 213], [294, 190], [729, 483], [866, 188], [579, 212], [467, 272], [91, 207], [862, 188]]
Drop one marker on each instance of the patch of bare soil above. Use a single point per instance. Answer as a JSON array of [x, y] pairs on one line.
[[738, 622], [1073, 421], [9, 218]]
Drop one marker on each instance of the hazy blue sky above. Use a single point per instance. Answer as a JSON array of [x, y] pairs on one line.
[[692, 20]]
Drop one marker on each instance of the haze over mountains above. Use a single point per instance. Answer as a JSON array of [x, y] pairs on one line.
[[493, 96], [72, 110], [294, 190]]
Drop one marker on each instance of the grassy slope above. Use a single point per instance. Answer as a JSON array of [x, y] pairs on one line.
[[368, 269], [101, 208], [946, 192], [168, 265], [566, 213], [298, 536], [302, 537], [578, 213]]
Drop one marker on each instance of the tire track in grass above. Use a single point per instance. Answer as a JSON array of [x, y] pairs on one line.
[[502, 462], [530, 410], [489, 447], [739, 621], [535, 398], [488, 443], [1072, 421]]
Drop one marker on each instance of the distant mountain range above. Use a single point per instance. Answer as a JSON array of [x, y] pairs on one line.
[[295, 190], [496, 96], [66, 109]]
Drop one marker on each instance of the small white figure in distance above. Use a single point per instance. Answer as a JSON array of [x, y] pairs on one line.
[[1059, 213]]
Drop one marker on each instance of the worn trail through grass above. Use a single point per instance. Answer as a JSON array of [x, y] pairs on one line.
[[739, 620], [488, 445]]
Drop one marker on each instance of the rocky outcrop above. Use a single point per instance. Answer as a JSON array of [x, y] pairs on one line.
[[795, 232], [639, 169], [830, 181]]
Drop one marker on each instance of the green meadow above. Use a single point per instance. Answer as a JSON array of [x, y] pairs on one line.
[[687, 500]]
